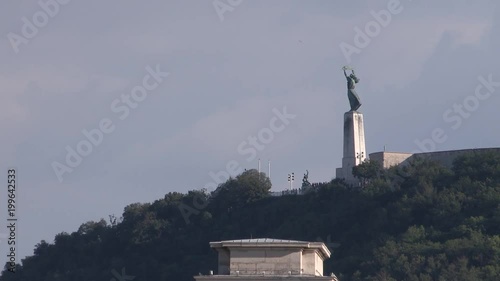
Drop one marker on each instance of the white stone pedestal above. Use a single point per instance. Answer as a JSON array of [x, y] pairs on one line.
[[354, 146]]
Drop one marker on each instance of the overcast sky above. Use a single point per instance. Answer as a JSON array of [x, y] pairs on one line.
[[229, 68]]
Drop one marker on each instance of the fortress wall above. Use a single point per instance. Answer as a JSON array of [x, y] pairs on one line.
[[446, 157], [389, 159]]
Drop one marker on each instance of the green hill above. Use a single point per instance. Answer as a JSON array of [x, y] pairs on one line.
[[422, 222]]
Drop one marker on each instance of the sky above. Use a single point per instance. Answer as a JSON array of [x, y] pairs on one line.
[[176, 93]]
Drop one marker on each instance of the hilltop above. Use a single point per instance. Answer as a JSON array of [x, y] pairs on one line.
[[419, 222]]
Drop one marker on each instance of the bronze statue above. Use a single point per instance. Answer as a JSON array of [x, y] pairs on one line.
[[305, 180], [352, 80]]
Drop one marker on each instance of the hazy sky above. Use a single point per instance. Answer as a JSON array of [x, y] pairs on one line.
[[228, 70]]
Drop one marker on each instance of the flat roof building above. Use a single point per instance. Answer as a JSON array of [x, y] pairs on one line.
[[269, 259]]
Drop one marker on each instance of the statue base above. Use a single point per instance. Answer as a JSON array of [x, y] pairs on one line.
[[354, 146]]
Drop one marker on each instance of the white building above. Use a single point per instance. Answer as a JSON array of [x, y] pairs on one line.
[[269, 259]]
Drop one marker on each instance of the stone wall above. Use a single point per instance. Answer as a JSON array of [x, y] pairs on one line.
[[308, 262], [389, 159], [318, 265], [224, 258], [445, 158], [271, 261]]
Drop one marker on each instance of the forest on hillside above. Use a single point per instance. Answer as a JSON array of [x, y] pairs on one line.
[[419, 222]]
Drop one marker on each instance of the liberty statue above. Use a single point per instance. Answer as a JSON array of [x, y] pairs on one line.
[[352, 80]]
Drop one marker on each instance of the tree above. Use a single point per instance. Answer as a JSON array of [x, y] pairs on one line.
[[479, 166], [247, 187], [367, 171]]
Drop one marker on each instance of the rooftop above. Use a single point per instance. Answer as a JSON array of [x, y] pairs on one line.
[[273, 243], [263, 240]]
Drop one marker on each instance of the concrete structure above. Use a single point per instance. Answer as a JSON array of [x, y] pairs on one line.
[[269, 259], [389, 159], [445, 158], [354, 146]]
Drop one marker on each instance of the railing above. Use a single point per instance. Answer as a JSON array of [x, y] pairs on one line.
[[264, 272], [297, 191]]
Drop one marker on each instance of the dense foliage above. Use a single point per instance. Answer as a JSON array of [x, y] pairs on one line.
[[418, 222]]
